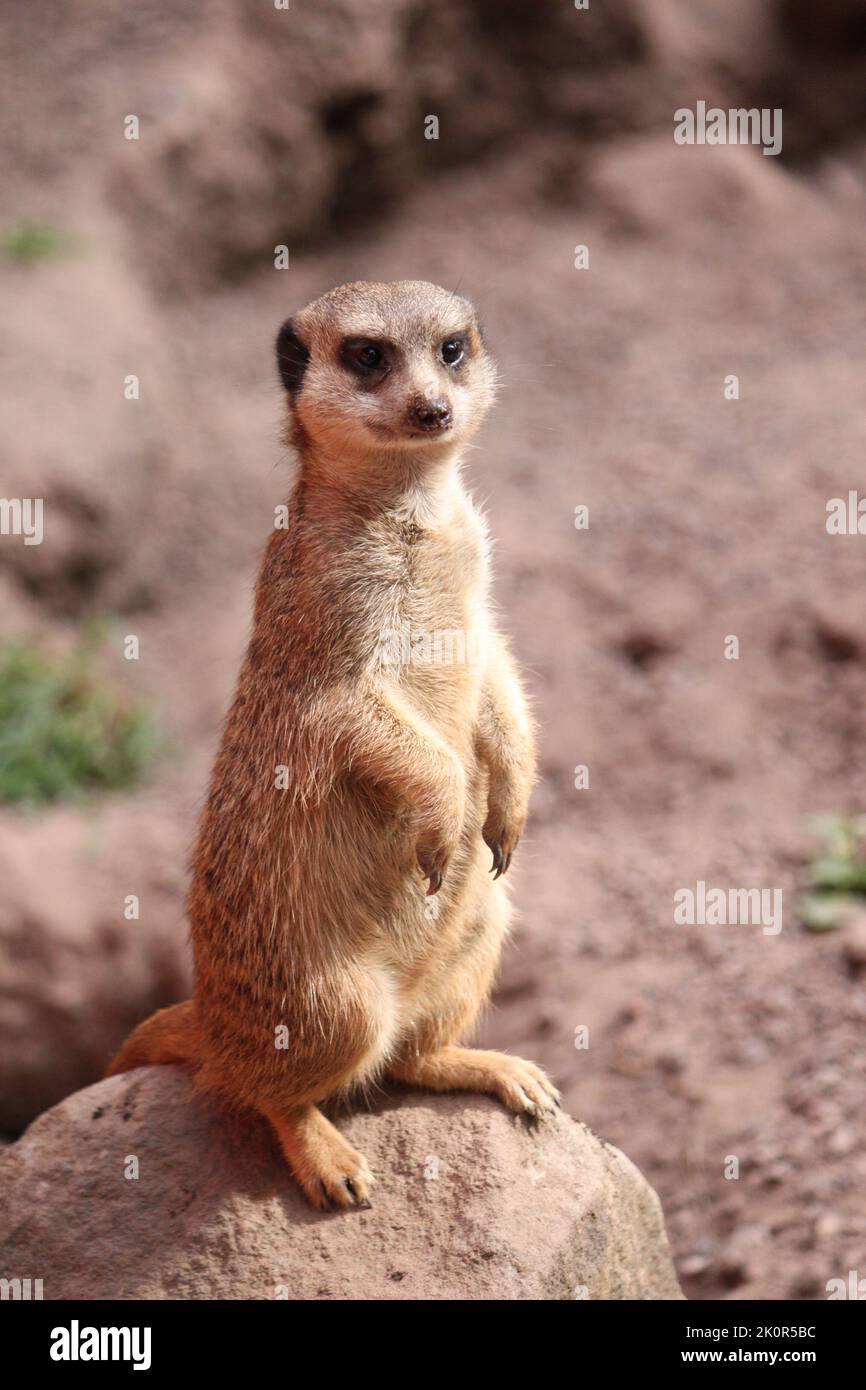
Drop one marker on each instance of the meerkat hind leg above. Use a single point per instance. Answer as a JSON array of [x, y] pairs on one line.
[[520, 1085], [330, 1172]]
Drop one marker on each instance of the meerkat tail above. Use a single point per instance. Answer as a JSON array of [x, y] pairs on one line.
[[170, 1035]]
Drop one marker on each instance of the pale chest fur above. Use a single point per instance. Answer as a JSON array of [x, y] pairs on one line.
[[428, 621]]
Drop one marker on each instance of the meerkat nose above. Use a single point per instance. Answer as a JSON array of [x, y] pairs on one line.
[[431, 415]]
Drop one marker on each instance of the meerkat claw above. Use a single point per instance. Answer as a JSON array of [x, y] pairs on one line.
[[501, 858], [432, 872]]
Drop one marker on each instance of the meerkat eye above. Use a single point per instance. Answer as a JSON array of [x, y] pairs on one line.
[[452, 351], [363, 357]]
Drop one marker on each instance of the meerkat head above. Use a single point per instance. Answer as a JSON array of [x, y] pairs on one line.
[[374, 369]]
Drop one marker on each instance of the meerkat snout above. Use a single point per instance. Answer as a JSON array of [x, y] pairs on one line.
[[431, 415], [377, 368]]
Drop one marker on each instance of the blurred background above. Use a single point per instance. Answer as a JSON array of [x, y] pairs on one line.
[[153, 258]]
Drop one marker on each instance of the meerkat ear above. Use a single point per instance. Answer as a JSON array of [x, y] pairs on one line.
[[292, 358]]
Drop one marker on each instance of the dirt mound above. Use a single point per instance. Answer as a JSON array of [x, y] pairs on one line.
[[171, 1200], [261, 126]]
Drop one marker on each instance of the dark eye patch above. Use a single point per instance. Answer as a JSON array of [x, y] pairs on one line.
[[455, 347], [366, 357], [292, 358]]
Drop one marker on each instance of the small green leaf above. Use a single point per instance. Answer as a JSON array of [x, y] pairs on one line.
[[820, 912], [28, 241]]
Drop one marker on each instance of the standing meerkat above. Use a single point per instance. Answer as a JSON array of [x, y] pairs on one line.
[[342, 893]]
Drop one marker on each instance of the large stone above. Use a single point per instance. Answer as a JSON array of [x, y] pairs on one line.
[[469, 1204]]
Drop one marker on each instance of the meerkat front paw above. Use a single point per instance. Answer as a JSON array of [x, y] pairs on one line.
[[501, 838], [434, 852], [434, 857], [439, 838], [432, 864]]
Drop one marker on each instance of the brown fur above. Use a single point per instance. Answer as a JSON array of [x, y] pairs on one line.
[[311, 907]]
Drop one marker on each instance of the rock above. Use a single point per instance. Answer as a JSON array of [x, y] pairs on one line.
[[469, 1204]]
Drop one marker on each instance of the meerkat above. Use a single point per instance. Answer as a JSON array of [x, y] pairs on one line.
[[342, 895]]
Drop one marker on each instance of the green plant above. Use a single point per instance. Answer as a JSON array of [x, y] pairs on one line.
[[28, 241], [837, 875], [63, 732]]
